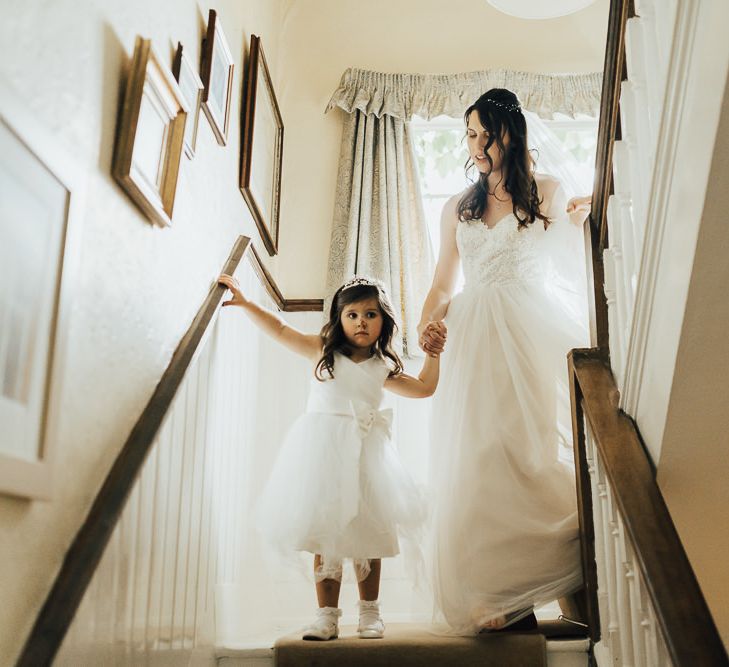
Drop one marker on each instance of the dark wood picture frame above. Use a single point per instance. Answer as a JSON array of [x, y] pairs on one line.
[[261, 148], [191, 88], [216, 72], [153, 110]]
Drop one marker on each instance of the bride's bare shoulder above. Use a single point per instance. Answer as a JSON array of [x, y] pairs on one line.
[[547, 188], [450, 208], [546, 183]]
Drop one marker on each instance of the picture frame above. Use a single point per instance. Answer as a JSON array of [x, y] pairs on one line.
[[191, 88], [216, 72], [41, 205], [150, 135], [262, 148]]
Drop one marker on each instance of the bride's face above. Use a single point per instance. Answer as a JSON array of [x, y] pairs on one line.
[[478, 137]]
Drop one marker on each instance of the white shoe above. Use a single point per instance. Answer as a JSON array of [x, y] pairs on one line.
[[326, 625], [370, 621]]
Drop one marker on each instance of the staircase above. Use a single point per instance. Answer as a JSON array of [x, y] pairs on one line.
[[141, 583], [413, 645]]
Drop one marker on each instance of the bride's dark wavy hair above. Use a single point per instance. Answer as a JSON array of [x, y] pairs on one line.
[[500, 113], [332, 333]]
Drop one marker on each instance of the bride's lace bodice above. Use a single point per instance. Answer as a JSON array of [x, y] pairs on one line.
[[498, 255]]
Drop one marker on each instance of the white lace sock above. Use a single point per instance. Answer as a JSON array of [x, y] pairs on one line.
[[326, 625], [370, 621]]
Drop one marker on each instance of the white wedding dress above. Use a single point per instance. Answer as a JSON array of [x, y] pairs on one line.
[[505, 523]]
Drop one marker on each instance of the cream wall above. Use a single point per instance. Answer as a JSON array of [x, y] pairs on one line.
[[322, 38], [138, 285], [694, 464]]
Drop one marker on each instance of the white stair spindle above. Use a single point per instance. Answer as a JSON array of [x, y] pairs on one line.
[[637, 613], [617, 349], [626, 637]]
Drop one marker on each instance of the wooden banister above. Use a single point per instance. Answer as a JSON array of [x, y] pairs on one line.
[[607, 132], [88, 546], [686, 623]]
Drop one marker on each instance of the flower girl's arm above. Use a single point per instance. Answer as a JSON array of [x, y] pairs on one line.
[[417, 387], [307, 345]]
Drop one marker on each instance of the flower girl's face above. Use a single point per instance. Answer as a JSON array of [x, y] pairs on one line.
[[477, 138], [362, 322]]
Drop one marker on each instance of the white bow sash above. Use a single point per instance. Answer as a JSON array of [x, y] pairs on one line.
[[364, 419]]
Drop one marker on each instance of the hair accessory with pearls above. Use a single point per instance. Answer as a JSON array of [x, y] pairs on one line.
[[506, 107]]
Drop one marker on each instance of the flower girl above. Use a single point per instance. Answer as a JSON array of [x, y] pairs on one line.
[[338, 489]]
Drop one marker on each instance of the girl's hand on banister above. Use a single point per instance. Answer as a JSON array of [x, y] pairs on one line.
[[233, 285]]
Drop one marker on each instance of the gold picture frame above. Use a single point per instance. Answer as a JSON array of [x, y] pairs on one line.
[[216, 72], [191, 88], [150, 135], [261, 148], [41, 205]]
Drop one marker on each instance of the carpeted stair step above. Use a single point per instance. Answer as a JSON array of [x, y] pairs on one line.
[[406, 645]]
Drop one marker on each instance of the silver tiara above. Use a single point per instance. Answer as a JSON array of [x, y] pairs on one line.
[[359, 280], [506, 107]]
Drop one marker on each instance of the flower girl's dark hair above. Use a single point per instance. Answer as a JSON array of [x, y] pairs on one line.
[[499, 111], [332, 333]]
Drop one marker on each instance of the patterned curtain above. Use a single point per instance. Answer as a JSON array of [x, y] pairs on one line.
[[379, 225]]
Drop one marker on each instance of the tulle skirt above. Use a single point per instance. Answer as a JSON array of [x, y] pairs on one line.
[[339, 493], [505, 530]]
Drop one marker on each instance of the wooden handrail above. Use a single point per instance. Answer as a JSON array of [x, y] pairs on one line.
[[609, 123], [87, 548], [607, 132], [684, 618]]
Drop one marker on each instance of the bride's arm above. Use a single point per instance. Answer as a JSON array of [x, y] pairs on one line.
[[578, 208], [444, 279], [555, 204]]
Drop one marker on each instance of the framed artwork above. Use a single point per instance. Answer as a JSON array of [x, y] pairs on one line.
[[217, 78], [40, 204], [261, 148], [150, 135], [191, 88]]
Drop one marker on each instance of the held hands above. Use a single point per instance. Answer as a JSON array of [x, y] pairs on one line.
[[433, 337], [233, 285], [578, 208]]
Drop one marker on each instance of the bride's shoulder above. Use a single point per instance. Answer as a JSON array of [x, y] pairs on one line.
[[546, 183], [550, 194], [452, 201], [450, 208]]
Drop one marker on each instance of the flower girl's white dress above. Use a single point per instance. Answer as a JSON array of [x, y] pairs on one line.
[[506, 525], [338, 487]]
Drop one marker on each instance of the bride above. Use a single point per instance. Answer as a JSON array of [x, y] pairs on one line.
[[505, 526]]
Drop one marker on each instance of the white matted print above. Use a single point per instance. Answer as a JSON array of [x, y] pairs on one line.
[[150, 135], [217, 78], [191, 88], [39, 199]]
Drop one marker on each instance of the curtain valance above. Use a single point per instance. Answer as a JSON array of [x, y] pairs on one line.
[[430, 95]]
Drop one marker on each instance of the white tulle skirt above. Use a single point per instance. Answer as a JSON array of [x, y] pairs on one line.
[[505, 531], [338, 489]]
